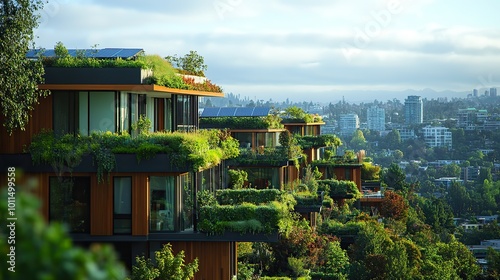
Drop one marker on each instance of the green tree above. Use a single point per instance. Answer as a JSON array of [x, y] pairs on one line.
[[493, 259], [459, 199], [394, 178], [392, 140], [44, 251], [358, 141], [20, 76], [192, 63], [167, 266]]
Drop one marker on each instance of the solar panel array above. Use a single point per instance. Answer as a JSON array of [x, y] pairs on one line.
[[235, 112], [97, 53]]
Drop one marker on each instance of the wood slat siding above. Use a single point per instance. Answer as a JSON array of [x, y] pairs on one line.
[[214, 258], [101, 206], [41, 118], [140, 204]]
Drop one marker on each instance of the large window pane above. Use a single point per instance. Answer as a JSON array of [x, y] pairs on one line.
[[65, 113], [102, 111], [122, 205], [69, 202], [162, 203]]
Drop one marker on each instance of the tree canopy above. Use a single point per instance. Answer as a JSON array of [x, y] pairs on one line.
[[20, 76]]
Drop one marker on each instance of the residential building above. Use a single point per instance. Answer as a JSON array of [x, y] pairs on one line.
[[437, 136], [472, 118], [348, 124], [407, 134], [136, 206], [376, 118], [493, 92], [414, 110]]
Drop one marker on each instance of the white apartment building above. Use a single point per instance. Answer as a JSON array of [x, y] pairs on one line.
[[437, 136], [376, 118], [348, 124]]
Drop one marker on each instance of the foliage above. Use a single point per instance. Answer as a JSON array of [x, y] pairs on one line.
[[394, 178], [205, 198], [20, 76], [267, 157], [247, 211], [336, 188], [165, 266], [370, 172], [163, 73], [244, 218], [207, 85], [269, 122], [324, 140], [191, 63], [201, 149], [254, 196], [142, 125], [237, 178], [296, 114], [45, 251], [394, 206]]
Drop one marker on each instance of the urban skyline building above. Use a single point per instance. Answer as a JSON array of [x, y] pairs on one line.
[[414, 110], [376, 118], [348, 124]]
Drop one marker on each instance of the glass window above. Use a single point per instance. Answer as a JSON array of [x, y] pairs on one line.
[[65, 113], [69, 202], [187, 202], [122, 205], [102, 111], [162, 203], [244, 138]]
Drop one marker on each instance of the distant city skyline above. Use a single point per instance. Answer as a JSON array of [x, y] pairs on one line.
[[321, 51]]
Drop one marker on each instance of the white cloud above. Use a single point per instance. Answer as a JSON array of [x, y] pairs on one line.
[[286, 45]]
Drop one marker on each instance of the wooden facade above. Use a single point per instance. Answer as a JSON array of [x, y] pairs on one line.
[[41, 118]]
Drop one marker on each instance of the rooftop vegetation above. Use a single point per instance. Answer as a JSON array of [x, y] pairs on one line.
[[163, 73], [325, 140], [246, 211], [200, 150], [268, 122], [296, 114], [339, 188]]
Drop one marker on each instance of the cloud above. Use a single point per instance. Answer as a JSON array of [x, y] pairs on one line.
[[288, 45]]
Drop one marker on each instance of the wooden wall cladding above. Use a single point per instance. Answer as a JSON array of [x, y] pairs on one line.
[[140, 204], [41, 118], [101, 206], [214, 258]]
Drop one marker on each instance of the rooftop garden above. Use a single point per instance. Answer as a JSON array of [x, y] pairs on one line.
[[325, 140], [163, 73], [268, 122], [287, 151], [246, 211], [200, 150], [349, 158], [295, 114]]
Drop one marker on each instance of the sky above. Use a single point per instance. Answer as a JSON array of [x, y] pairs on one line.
[[320, 51]]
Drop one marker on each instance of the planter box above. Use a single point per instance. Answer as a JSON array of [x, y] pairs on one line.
[[124, 163], [85, 75], [157, 163]]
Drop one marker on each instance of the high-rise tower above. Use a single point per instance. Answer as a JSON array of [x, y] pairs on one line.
[[414, 110]]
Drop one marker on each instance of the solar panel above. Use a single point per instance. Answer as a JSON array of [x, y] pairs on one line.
[[99, 53], [227, 112], [261, 111], [244, 112], [210, 112]]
